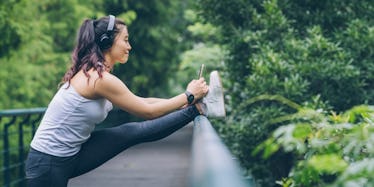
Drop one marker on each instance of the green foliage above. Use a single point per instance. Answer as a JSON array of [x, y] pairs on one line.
[[155, 37], [201, 39], [34, 65], [331, 150], [37, 43], [317, 53]]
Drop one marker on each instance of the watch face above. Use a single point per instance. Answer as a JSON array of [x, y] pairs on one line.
[[190, 99]]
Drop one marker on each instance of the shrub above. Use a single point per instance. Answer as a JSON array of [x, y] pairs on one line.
[[312, 52]]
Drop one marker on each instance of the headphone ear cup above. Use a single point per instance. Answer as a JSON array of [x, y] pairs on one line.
[[105, 41]]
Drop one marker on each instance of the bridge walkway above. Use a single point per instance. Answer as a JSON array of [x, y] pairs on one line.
[[164, 163]]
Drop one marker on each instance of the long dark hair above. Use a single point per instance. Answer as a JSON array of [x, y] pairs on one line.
[[88, 52]]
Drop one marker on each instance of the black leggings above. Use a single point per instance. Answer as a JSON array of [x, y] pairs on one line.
[[47, 170]]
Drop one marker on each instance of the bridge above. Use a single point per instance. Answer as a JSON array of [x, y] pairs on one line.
[[194, 156], [164, 163]]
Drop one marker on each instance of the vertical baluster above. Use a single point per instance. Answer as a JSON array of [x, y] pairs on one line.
[[1, 117], [33, 124], [21, 152], [6, 152]]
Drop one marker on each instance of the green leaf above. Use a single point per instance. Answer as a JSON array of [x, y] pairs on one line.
[[302, 131], [329, 164]]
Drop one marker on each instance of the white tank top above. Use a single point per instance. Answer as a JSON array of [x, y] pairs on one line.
[[68, 122]]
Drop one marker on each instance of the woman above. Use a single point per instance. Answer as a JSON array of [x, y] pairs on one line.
[[65, 145]]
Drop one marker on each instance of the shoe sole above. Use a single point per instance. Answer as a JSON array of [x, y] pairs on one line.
[[219, 112]]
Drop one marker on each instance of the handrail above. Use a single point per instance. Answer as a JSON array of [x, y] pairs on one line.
[[19, 112], [212, 163]]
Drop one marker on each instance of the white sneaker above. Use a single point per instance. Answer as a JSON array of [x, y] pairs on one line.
[[213, 105]]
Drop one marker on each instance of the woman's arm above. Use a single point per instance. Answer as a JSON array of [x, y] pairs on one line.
[[117, 92], [151, 100]]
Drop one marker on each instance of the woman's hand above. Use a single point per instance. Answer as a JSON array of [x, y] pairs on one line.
[[198, 88]]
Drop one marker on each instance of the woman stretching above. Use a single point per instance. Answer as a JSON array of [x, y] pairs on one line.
[[65, 145]]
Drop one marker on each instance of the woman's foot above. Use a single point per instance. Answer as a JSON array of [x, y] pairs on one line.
[[213, 105]]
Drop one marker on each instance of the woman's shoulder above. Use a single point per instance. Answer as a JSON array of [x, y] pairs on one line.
[[93, 84], [107, 77], [107, 81]]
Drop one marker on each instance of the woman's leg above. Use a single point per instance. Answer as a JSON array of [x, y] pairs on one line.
[[47, 170], [38, 166], [105, 144]]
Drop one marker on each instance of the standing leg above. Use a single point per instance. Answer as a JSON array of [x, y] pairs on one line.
[[47, 170], [107, 143]]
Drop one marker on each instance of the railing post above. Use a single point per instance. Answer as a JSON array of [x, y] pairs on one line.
[[212, 163], [21, 152], [33, 126], [6, 152]]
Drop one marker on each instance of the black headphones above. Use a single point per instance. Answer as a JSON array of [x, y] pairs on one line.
[[106, 39]]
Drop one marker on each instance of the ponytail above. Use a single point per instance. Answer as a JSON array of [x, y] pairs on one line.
[[86, 54]]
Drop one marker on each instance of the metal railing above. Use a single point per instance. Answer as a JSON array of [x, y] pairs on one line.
[[212, 163], [17, 129]]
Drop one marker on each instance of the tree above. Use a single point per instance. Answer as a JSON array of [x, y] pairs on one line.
[[312, 52], [35, 51]]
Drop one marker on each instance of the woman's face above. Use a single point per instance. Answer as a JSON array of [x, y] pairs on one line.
[[120, 50]]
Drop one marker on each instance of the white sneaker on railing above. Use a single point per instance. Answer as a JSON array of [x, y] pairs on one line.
[[213, 105]]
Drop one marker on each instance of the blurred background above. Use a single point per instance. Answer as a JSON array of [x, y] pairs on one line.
[[316, 54]]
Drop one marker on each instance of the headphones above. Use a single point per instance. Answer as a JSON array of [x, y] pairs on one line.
[[106, 39]]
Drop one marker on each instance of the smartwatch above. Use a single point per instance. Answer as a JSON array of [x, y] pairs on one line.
[[190, 97]]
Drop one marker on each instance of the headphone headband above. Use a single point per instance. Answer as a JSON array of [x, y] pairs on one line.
[[111, 23]]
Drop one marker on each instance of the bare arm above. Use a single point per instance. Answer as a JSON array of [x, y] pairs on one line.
[[117, 92], [151, 100]]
